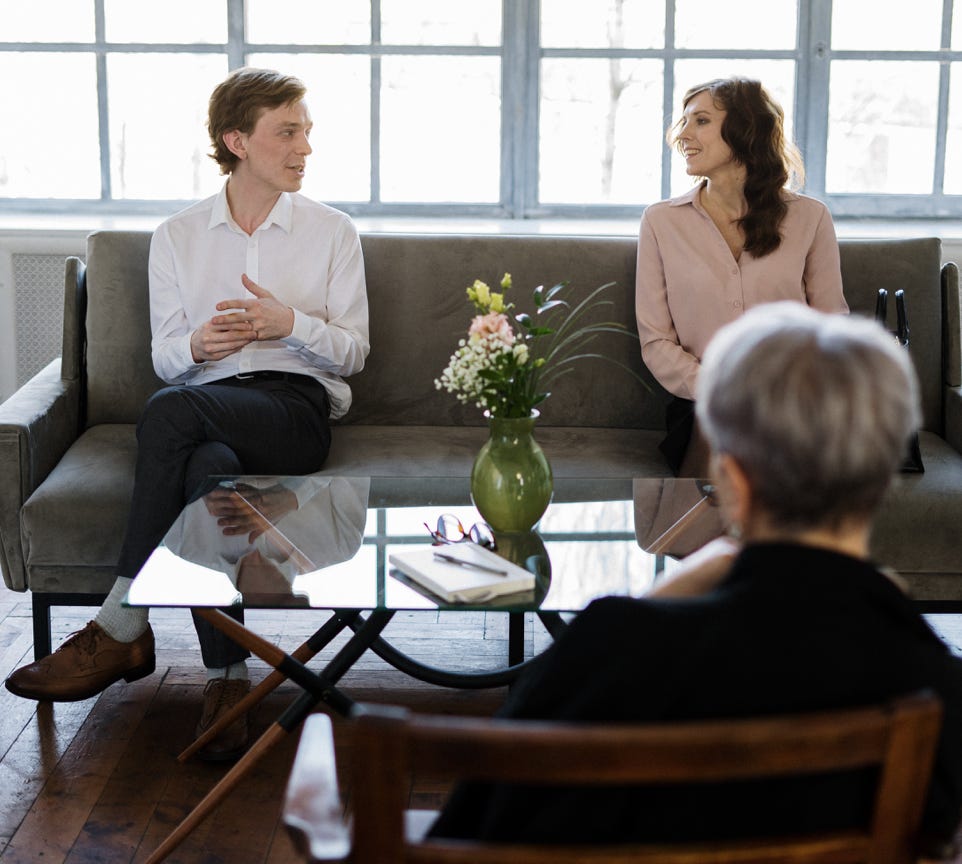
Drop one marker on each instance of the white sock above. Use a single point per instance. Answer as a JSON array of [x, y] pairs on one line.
[[123, 623], [235, 672]]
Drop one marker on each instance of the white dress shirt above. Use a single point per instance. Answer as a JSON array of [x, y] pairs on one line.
[[308, 255]]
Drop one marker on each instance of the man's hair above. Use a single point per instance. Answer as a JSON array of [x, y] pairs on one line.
[[238, 102], [816, 408], [754, 129]]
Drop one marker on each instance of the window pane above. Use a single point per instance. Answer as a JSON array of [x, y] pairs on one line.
[[158, 141], [952, 184], [881, 127], [170, 21], [47, 21], [57, 153], [736, 24], [440, 129], [440, 22], [858, 25], [617, 23], [339, 99], [307, 22], [778, 77], [601, 131]]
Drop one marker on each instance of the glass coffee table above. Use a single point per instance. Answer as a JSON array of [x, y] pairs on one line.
[[324, 542]]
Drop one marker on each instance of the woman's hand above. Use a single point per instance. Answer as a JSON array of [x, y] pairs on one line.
[[699, 572]]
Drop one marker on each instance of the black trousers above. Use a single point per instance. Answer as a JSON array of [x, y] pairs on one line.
[[270, 423], [679, 426]]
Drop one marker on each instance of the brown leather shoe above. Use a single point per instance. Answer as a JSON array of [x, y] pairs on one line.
[[88, 662], [220, 695]]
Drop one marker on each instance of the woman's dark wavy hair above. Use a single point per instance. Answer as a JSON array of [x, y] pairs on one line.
[[754, 129]]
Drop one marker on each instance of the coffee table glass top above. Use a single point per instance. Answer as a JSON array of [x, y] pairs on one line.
[[322, 541]]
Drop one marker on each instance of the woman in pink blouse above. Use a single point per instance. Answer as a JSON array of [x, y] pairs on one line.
[[736, 240]]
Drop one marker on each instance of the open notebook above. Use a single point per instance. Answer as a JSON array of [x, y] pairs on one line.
[[471, 574]]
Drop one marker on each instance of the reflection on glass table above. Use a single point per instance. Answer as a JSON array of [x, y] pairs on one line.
[[324, 542]]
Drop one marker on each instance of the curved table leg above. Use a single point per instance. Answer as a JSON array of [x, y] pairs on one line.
[[553, 622]]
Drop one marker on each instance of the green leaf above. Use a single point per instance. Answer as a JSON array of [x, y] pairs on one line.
[[552, 304]]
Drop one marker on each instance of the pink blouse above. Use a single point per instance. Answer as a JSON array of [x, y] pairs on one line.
[[688, 283]]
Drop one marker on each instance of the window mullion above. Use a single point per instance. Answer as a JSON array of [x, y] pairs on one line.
[[103, 108], [375, 196], [814, 73], [942, 119], [520, 112], [668, 94], [236, 34]]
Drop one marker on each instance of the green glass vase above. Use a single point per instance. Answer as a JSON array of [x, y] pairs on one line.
[[511, 482]]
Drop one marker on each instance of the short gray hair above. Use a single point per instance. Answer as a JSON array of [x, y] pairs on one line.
[[816, 408]]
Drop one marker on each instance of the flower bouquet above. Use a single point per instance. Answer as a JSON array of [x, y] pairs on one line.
[[504, 366], [506, 363]]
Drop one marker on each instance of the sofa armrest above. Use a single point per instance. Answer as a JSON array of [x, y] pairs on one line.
[[37, 425], [953, 417], [951, 326]]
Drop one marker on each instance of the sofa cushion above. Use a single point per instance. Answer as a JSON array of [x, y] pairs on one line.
[[75, 519], [415, 451], [917, 528]]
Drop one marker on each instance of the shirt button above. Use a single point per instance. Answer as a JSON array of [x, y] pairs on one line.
[[737, 304]]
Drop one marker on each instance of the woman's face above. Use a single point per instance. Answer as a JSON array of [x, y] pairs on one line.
[[700, 139]]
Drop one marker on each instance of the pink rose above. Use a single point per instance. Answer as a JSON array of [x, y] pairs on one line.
[[493, 324]]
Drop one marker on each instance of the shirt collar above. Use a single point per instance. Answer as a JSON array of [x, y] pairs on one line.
[[690, 197], [282, 213]]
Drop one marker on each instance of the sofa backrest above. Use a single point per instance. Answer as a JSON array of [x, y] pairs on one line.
[[914, 266], [119, 371], [419, 311]]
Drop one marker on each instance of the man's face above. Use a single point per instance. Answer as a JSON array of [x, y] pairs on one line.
[[277, 149]]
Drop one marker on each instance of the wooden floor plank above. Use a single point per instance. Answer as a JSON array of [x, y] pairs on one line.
[[59, 814]]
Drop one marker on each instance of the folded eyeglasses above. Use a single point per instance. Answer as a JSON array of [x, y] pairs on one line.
[[450, 530]]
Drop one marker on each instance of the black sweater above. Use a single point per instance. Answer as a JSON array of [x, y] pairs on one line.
[[791, 629]]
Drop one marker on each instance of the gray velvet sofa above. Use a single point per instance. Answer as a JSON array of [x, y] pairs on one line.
[[67, 444]]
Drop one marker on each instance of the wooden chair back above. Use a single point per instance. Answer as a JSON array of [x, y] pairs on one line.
[[391, 744]]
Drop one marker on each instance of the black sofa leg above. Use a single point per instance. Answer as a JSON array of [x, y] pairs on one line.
[[42, 604]]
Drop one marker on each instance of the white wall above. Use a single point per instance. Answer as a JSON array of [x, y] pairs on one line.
[[24, 243]]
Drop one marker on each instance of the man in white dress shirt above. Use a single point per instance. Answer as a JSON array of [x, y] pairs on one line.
[[258, 311]]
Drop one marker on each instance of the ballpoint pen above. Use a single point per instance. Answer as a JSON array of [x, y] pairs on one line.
[[451, 559]]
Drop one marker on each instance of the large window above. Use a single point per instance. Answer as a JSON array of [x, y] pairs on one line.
[[506, 108]]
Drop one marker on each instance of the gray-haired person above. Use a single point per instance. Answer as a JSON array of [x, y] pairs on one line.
[[808, 415]]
